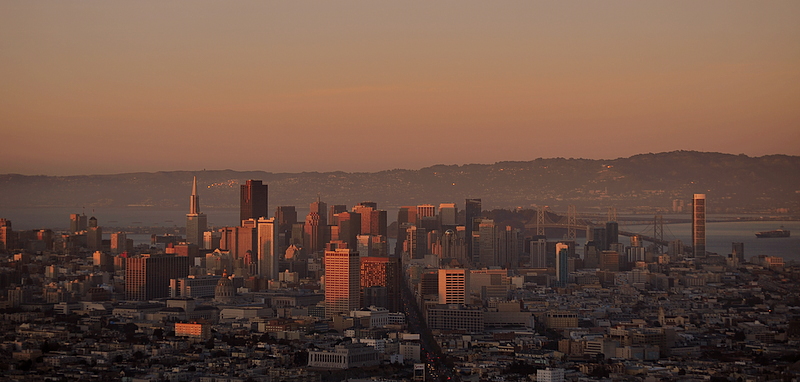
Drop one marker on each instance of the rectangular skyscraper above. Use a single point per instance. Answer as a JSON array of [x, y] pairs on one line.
[[699, 225], [453, 284], [342, 281], [77, 223], [562, 272], [472, 210], [147, 277], [253, 202], [268, 254], [382, 272], [447, 216]]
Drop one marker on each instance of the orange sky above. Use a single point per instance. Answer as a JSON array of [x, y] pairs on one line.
[[108, 87]]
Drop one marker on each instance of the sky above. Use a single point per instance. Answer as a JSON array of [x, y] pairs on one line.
[[98, 87]]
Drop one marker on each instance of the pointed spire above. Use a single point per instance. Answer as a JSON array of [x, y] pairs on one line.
[[194, 200]]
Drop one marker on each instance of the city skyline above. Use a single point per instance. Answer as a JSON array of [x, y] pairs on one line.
[[472, 83]]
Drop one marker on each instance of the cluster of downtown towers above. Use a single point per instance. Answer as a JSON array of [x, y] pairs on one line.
[[352, 246]]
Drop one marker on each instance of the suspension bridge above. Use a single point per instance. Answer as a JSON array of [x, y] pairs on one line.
[[573, 223]]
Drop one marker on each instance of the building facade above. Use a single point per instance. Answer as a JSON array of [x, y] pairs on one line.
[[253, 202], [342, 281]]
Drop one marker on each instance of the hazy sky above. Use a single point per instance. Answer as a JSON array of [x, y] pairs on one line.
[[94, 87]]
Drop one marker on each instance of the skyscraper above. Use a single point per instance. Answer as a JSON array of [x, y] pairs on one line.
[[342, 281], [406, 216], [562, 271], [314, 233], [77, 223], [539, 252], [612, 233], [285, 218], [321, 208], [509, 245], [119, 242], [196, 222], [425, 210], [268, 254], [349, 227], [472, 211], [333, 210], [737, 251], [453, 284], [485, 243], [147, 277], [382, 272], [6, 235], [94, 235], [253, 202], [373, 220], [447, 216], [699, 225]]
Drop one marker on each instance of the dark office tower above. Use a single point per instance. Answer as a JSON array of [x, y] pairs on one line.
[[407, 214], [737, 251], [539, 252], [447, 216], [285, 217], [147, 277], [485, 243], [314, 233], [699, 225], [349, 227], [600, 238], [94, 236], [509, 247], [297, 234], [612, 233], [472, 211], [381, 272], [77, 223], [372, 205], [320, 208], [591, 255], [562, 271], [253, 202], [416, 243], [196, 223], [335, 209]]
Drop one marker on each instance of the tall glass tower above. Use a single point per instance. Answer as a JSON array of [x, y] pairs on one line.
[[699, 225]]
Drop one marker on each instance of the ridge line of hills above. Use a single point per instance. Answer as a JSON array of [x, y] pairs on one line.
[[647, 182]]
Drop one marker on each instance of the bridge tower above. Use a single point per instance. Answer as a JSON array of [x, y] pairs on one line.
[[658, 233], [540, 220], [572, 222], [612, 214]]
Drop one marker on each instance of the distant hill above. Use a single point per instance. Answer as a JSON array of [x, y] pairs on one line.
[[646, 182]]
